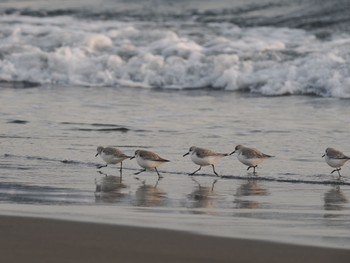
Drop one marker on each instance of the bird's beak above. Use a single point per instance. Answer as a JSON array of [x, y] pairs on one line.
[[232, 152], [323, 155], [186, 154], [132, 157], [96, 154]]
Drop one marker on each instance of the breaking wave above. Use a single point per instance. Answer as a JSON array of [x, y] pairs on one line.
[[266, 60]]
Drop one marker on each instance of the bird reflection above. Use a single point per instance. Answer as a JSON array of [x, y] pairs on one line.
[[203, 196], [250, 188], [150, 195], [334, 199], [109, 189]]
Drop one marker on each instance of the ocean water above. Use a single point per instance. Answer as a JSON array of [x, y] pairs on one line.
[[163, 76]]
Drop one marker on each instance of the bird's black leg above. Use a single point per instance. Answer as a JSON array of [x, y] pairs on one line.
[[214, 170], [159, 176], [196, 171], [144, 170], [102, 173], [339, 172], [121, 169], [253, 168]]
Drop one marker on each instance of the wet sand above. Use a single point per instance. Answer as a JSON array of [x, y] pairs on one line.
[[46, 240]]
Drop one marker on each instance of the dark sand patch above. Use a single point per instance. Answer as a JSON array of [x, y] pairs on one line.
[[44, 240]]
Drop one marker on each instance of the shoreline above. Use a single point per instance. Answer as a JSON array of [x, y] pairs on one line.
[[32, 239]]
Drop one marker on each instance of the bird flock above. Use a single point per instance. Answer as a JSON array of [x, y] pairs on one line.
[[251, 157]]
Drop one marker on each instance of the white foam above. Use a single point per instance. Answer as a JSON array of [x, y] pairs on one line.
[[263, 60]]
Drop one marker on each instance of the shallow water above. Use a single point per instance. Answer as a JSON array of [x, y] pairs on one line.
[[49, 136]]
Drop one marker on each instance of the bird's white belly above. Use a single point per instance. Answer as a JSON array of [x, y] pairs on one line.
[[250, 161], [208, 160], [111, 159], [147, 164], [335, 163]]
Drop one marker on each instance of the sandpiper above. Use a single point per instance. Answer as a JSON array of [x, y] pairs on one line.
[[335, 159], [111, 155], [148, 160], [250, 156], [204, 157]]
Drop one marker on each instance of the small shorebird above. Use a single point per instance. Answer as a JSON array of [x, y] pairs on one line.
[[204, 157], [250, 156], [148, 160], [111, 155], [335, 159]]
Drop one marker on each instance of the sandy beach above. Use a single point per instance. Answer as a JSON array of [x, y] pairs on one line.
[[45, 240]]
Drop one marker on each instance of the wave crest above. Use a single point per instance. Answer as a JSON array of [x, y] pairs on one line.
[[262, 60]]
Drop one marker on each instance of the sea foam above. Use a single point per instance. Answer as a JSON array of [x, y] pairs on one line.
[[263, 60]]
